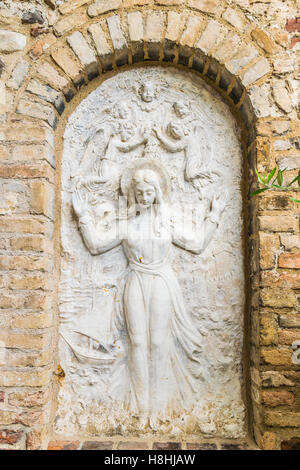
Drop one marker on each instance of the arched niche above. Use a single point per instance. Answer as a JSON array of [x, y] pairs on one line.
[[187, 135]]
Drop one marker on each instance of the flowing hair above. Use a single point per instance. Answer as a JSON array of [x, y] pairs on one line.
[[150, 177]]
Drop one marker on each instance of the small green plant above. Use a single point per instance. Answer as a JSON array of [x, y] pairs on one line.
[[274, 180]]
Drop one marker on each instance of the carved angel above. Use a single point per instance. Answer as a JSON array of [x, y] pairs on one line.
[[182, 139]]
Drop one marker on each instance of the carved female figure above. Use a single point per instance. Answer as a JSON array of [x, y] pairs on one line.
[[163, 343]]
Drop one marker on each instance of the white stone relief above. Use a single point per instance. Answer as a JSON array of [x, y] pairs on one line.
[[151, 292]]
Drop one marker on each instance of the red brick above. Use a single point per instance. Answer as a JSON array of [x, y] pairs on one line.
[[10, 437], [293, 25], [63, 445]]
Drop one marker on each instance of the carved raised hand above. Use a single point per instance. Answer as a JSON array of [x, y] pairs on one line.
[[80, 203]]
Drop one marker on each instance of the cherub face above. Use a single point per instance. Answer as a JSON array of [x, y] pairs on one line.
[[126, 132], [176, 130], [123, 111], [181, 109], [145, 194], [147, 92]]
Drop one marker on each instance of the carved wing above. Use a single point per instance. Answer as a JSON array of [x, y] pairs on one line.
[[96, 146]]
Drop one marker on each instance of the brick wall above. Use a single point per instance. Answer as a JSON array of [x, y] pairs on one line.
[[54, 55]]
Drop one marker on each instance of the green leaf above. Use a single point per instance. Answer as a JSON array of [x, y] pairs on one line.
[[299, 178], [260, 178], [294, 200], [280, 177], [295, 179], [258, 191], [271, 174]]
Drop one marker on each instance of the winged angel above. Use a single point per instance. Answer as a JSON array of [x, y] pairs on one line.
[[163, 344]]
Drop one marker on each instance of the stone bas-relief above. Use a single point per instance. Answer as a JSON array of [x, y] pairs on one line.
[[152, 283]]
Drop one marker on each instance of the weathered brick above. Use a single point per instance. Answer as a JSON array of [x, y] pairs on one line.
[[257, 71], [190, 34], [291, 444], [282, 279], [25, 341], [243, 56], [275, 200], [28, 400], [66, 60], [19, 74], [288, 336], [39, 244], [47, 72], [272, 378], [284, 64], [268, 248], [291, 162], [33, 301], [136, 34], [153, 33], [207, 6], [173, 26], [20, 358], [102, 6], [35, 439], [10, 437], [25, 225], [46, 93], [227, 48], [290, 321], [69, 22], [268, 441], [201, 446], [102, 47], [289, 260], [264, 40], [236, 19], [37, 110], [192, 30], [42, 198], [277, 398], [118, 39], [31, 282], [282, 95], [166, 446], [275, 127], [84, 53], [97, 445], [282, 418], [27, 133], [277, 297], [278, 223], [42, 170], [33, 378], [28, 153], [277, 357], [63, 445], [32, 321], [210, 36], [71, 5], [133, 445], [268, 329], [290, 242]]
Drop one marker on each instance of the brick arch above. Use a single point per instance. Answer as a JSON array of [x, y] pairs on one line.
[[191, 37], [89, 42]]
